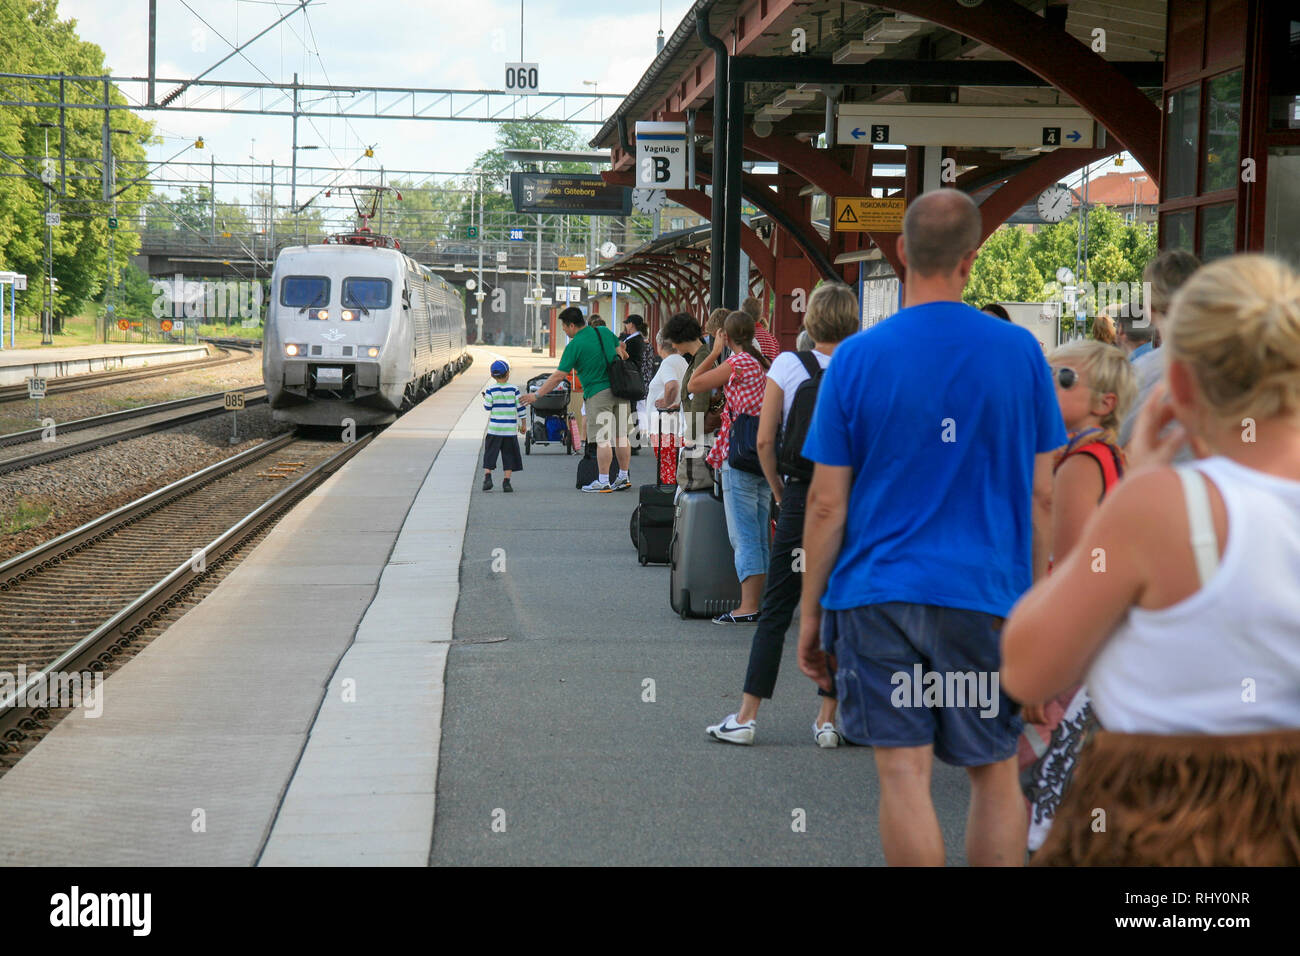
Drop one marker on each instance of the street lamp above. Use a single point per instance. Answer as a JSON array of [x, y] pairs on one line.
[[1135, 180], [47, 175], [478, 337], [537, 296], [595, 91], [111, 277]]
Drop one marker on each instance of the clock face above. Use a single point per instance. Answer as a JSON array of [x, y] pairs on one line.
[[1054, 204], [648, 200]]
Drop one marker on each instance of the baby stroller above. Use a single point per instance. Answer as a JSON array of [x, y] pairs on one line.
[[548, 417]]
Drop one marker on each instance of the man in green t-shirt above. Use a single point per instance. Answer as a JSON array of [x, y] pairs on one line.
[[589, 352]]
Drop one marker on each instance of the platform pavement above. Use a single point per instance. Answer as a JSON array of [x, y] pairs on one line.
[[17, 365], [203, 732], [547, 723]]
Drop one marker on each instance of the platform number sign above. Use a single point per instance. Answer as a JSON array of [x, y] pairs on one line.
[[879, 132], [521, 78], [1051, 136], [234, 401], [661, 156]]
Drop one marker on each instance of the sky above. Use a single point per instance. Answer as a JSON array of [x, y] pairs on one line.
[[457, 44]]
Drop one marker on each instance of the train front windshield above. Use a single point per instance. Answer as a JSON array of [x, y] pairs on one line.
[[362, 293], [305, 292]]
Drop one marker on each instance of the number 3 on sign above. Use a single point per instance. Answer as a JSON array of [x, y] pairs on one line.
[[521, 78]]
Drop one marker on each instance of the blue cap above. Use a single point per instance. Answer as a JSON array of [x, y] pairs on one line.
[[500, 368]]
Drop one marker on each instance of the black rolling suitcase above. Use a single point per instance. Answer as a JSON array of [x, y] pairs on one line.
[[703, 580], [652, 521]]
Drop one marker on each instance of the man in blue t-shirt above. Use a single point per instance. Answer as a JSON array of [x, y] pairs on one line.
[[927, 518]]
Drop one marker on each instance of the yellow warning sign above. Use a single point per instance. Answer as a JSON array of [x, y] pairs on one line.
[[864, 214], [573, 263]]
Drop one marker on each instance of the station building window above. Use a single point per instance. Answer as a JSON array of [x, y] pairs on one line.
[[1218, 231]]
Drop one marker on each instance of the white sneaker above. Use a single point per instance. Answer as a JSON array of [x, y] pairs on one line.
[[826, 735], [732, 732], [621, 483], [597, 487]]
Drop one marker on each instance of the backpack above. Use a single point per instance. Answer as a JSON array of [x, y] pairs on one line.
[[649, 362], [789, 456]]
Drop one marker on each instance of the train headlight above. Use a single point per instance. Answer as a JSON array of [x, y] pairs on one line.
[[323, 314], [373, 351], [291, 350], [348, 315]]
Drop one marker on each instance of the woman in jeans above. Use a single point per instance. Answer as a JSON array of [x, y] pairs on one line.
[[1188, 642], [832, 317], [745, 495]]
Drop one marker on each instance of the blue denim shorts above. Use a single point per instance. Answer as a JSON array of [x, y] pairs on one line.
[[747, 499], [911, 675]]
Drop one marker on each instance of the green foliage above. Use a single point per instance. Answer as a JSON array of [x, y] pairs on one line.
[[1014, 265], [34, 40]]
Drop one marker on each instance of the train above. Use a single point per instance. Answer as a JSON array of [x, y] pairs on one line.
[[356, 329]]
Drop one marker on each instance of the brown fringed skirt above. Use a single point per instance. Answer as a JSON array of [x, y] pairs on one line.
[[1196, 800]]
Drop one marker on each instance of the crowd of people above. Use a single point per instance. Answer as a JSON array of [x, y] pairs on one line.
[[1073, 574]]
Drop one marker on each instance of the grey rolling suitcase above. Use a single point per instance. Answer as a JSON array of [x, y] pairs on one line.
[[702, 581]]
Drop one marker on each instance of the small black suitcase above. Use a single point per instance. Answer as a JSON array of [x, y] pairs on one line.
[[652, 521], [588, 469]]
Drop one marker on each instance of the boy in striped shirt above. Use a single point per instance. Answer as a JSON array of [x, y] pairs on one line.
[[505, 412]]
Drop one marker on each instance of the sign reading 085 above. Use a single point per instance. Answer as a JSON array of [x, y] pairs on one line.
[[661, 156]]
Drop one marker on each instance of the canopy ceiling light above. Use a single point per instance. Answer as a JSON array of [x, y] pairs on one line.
[[857, 51], [793, 99], [893, 29]]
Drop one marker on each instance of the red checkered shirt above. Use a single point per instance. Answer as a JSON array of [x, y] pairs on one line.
[[744, 391], [767, 344]]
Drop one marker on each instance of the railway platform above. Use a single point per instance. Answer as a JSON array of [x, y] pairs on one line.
[[408, 671], [17, 365]]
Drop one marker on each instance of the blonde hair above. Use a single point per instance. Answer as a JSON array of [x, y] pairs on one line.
[[1236, 324], [1109, 370], [715, 320], [1103, 326], [832, 313]]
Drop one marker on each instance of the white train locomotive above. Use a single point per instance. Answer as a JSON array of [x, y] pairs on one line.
[[356, 329]]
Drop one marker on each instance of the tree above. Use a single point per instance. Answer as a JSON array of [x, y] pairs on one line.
[[1014, 265], [34, 40]]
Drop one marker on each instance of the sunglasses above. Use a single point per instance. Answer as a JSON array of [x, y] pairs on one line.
[[1067, 378]]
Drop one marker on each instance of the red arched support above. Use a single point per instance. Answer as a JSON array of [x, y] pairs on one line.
[[1069, 65], [1018, 190], [698, 203], [817, 167]]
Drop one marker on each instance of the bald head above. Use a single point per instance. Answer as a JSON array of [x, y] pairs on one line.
[[940, 229]]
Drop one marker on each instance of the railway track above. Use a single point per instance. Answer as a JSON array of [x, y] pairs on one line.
[[79, 601], [186, 410], [76, 383]]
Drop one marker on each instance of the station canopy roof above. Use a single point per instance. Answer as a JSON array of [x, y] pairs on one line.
[[851, 32]]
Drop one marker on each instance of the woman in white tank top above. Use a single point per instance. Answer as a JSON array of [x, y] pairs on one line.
[[1180, 605]]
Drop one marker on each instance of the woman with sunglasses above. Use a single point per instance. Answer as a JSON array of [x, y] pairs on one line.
[[1095, 386]]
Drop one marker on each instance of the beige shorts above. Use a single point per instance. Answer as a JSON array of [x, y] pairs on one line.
[[608, 417]]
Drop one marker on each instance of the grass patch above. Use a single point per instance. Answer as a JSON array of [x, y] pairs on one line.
[[25, 516]]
